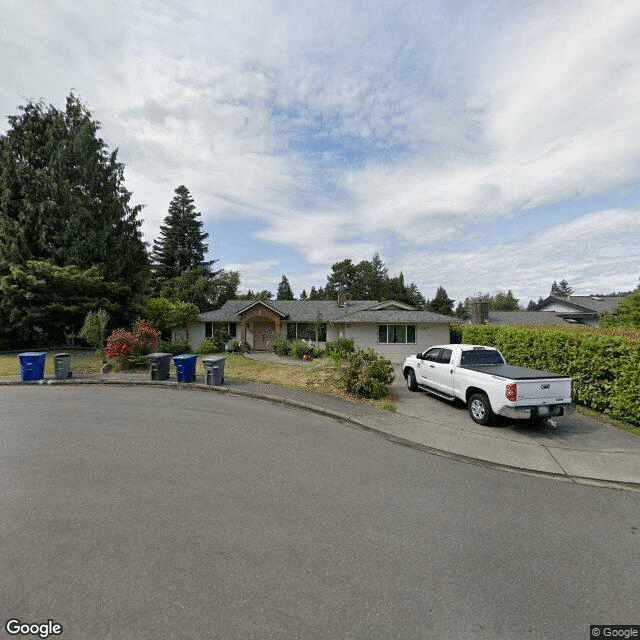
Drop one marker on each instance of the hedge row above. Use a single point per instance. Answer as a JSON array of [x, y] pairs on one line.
[[604, 366]]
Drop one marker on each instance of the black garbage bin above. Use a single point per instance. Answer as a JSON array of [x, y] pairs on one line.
[[62, 366], [159, 365], [214, 370]]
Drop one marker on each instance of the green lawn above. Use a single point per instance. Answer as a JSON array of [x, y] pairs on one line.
[[82, 361], [321, 376]]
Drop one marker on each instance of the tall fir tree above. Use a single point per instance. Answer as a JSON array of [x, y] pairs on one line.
[[441, 303], [179, 269], [284, 290], [561, 289], [64, 210]]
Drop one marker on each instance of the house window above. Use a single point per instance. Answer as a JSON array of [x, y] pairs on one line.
[[211, 328], [397, 333], [306, 331]]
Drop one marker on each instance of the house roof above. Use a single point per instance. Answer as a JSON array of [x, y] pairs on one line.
[[526, 317], [366, 311], [583, 304]]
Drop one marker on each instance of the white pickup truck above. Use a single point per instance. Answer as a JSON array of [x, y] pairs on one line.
[[481, 378]]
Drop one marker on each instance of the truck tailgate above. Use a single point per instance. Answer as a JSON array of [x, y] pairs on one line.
[[544, 391]]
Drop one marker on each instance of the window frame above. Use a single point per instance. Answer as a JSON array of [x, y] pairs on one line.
[[406, 327]]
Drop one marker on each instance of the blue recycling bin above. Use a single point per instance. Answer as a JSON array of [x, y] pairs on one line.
[[185, 367], [32, 365]]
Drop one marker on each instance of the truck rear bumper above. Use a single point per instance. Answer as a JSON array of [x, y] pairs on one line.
[[544, 411]]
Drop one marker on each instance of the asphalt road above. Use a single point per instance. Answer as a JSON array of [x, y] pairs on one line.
[[163, 513]]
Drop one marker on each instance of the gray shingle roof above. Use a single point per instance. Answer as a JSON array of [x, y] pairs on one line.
[[585, 304], [308, 311], [525, 317]]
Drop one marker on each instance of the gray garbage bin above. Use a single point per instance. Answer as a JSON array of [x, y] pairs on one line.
[[159, 365], [214, 370], [62, 366]]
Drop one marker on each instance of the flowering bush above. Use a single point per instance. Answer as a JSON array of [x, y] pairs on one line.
[[128, 346]]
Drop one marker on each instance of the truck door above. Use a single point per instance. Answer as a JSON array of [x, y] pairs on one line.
[[426, 372], [443, 372]]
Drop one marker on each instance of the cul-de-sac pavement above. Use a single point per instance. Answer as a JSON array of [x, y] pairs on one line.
[[174, 511]]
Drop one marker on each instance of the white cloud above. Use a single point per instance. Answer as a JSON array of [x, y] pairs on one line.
[[585, 251], [462, 113]]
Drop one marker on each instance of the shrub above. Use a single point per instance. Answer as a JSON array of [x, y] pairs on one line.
[[233, 346], [175, 347], [209, 345], [455, 333], [300, 348], [367, 374], [130, 347], [340, 347], [282, 346], [603, 363], [94, 329], [318, 353]]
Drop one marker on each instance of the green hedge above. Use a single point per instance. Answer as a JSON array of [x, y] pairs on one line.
[[605, 365]]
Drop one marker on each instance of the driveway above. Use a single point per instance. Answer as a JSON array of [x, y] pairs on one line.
[[572, 432]]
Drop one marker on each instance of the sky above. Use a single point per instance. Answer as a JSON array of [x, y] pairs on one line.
[[478, 145]]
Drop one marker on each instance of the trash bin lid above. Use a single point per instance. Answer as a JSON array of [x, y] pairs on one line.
[[33, 354], [62, 355], [159, 355], [185, 356], [213, 359]]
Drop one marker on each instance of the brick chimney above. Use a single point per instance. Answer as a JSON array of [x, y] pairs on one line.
[[479, 313], [342, 298]]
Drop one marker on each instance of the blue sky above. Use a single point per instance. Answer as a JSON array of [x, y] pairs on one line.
[[478, 145]]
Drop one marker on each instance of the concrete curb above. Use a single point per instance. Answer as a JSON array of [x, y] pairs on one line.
[[606, 460]]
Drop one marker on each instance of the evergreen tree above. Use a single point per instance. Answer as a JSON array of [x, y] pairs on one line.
[[441, 303], [263, 295], [369, 280], [63, 204], [561, 289], [317, 294], [504, 302], [179, 269], [303, 295], [284, 290]]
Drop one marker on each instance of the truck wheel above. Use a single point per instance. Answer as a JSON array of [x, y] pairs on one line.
[[412, 385], [480, 409]]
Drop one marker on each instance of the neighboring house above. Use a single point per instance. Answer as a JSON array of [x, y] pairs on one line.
[[580, 309], [393, 329], [552, 311], [515, 317]]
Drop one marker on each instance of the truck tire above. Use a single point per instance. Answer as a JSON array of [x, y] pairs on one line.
[[412, 384], [480, 409]]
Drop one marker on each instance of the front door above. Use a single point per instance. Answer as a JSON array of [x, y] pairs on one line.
[[264, 334]]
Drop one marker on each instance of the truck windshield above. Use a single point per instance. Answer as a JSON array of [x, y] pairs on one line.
[[481, 356]]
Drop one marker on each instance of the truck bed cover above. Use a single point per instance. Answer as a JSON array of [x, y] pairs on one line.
[[512, 372]]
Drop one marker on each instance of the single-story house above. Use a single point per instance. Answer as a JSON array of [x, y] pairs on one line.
[[393, 329], [552, 311], [514, 317], [580, 309]]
